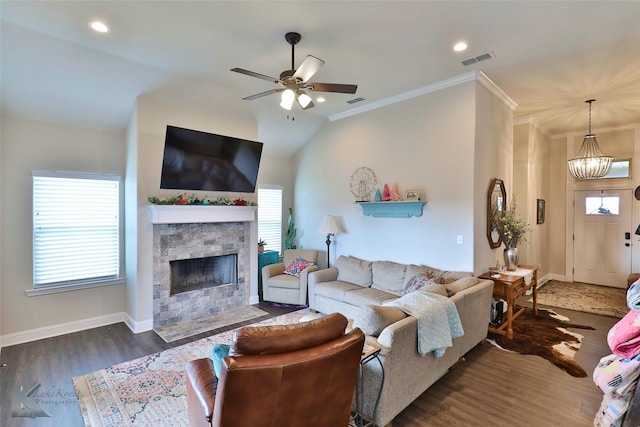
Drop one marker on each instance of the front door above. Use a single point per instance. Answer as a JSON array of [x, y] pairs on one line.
[[602, 239]]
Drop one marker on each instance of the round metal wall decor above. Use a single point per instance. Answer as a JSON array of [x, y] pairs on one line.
[[363, 184]]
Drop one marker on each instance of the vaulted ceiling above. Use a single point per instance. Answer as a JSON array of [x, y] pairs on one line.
[[549, 57]]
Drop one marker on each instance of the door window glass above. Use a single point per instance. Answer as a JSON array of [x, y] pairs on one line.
[[602, 205]]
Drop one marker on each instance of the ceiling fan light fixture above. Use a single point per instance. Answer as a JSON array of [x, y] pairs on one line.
[[304, 100], [590, 163], [287, 98]]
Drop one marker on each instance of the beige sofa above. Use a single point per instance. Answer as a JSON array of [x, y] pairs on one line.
[[357, 288]]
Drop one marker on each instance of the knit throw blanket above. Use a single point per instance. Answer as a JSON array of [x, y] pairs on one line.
[[624, 337], [438, 320], [617, 378]]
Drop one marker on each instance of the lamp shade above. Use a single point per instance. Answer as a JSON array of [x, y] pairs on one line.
[[330, 226]]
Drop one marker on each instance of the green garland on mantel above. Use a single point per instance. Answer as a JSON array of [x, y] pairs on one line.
[[183, 199]]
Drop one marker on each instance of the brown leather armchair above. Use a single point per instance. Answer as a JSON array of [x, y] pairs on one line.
[[293, 375]]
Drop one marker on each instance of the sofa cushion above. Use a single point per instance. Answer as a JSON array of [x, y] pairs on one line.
[[372, 319], [451, 276], [363, 296], [461, 284], [422, 282], [388, 276], [335, 290], [354, 270], [284, 281], [297, 266]]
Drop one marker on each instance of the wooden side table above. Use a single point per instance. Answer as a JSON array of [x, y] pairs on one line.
[[510, 286]]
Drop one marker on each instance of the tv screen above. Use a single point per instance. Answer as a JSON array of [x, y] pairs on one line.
[[195, 160]]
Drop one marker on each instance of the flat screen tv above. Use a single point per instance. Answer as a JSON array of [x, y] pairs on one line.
[[195, 160]]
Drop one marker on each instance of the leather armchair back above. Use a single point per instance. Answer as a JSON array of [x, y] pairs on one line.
[[293, 375]]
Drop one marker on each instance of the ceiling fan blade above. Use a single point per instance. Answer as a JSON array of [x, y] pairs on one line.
[[257, 75], [332, 87], [308, 68], [261, 94]]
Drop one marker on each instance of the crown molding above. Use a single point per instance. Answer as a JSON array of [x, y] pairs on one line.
[[434, 87]]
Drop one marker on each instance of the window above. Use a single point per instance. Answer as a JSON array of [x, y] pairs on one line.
[[619, 169], [270, 217], [602, 205], [76, 230]]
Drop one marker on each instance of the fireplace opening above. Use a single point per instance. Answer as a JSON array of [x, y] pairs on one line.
[[201, 273]]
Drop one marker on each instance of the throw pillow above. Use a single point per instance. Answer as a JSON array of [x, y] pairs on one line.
[[372, 319], [461, 284], [219, 352], [422, 282], [297, 266]]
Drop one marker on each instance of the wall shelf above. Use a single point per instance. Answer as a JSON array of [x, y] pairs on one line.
[[403, 209]]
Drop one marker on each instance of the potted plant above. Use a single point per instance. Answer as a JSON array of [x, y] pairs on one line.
[[261, 244], [511, 227]]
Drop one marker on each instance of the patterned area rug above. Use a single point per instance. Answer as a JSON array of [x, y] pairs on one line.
[[151, 390], [583, 297], [193, 327]]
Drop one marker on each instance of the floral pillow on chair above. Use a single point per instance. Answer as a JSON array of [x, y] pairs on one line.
[[297, 266]]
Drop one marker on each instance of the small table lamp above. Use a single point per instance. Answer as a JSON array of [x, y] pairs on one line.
[[331, 228]]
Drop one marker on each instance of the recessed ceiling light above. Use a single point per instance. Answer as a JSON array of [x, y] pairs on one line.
[[98, 26], [320, 99], [460, 46]]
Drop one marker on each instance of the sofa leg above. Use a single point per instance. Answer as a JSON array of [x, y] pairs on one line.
[[458, 362]]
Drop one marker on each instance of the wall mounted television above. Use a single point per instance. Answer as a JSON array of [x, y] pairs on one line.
[[195, 160]]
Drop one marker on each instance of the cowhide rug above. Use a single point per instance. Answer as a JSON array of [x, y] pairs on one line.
[[545, 335]]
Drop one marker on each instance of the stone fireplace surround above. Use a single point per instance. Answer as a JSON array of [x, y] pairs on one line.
[[181, 232]]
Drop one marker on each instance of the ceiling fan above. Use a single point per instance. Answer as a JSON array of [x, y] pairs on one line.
[[293, 83]]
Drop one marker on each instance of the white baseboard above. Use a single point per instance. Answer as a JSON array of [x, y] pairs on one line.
[[60, 329], [560, 277], [137, 327], [254, 299]]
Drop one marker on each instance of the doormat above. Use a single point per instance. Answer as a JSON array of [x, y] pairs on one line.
[[189, 328], [545, 335], [584, 297]]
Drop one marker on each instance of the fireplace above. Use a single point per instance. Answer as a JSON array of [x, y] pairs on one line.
[[200, 273], [199, 245]]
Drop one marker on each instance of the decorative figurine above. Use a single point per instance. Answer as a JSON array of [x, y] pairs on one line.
[[395, 193], [386, 196]]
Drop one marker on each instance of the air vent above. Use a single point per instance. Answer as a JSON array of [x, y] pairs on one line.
[[476, 59], [354, 100]]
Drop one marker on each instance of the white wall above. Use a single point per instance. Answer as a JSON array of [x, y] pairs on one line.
[[493, 159], [444, 143], [28, 145], [425, 143]]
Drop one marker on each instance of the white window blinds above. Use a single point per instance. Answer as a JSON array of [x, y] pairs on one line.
[[76, 228], [270, 217]]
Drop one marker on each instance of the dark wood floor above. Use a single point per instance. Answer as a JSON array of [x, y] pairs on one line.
[[491, 387]]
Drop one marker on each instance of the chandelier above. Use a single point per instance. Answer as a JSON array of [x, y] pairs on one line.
[[590, 162]]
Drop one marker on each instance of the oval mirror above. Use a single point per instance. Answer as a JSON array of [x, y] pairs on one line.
[[496, 203]]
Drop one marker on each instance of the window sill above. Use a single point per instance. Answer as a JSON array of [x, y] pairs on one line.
[[71, 287]]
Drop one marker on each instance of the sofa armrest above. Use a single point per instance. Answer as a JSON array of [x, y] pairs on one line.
[[201, 391], [304, 282], [272, 270], [324, 275], [319, 276]]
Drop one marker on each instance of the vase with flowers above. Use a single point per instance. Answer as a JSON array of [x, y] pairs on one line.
[[511, 227]]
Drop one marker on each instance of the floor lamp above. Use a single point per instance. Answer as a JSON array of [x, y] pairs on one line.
[[330, 227]]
